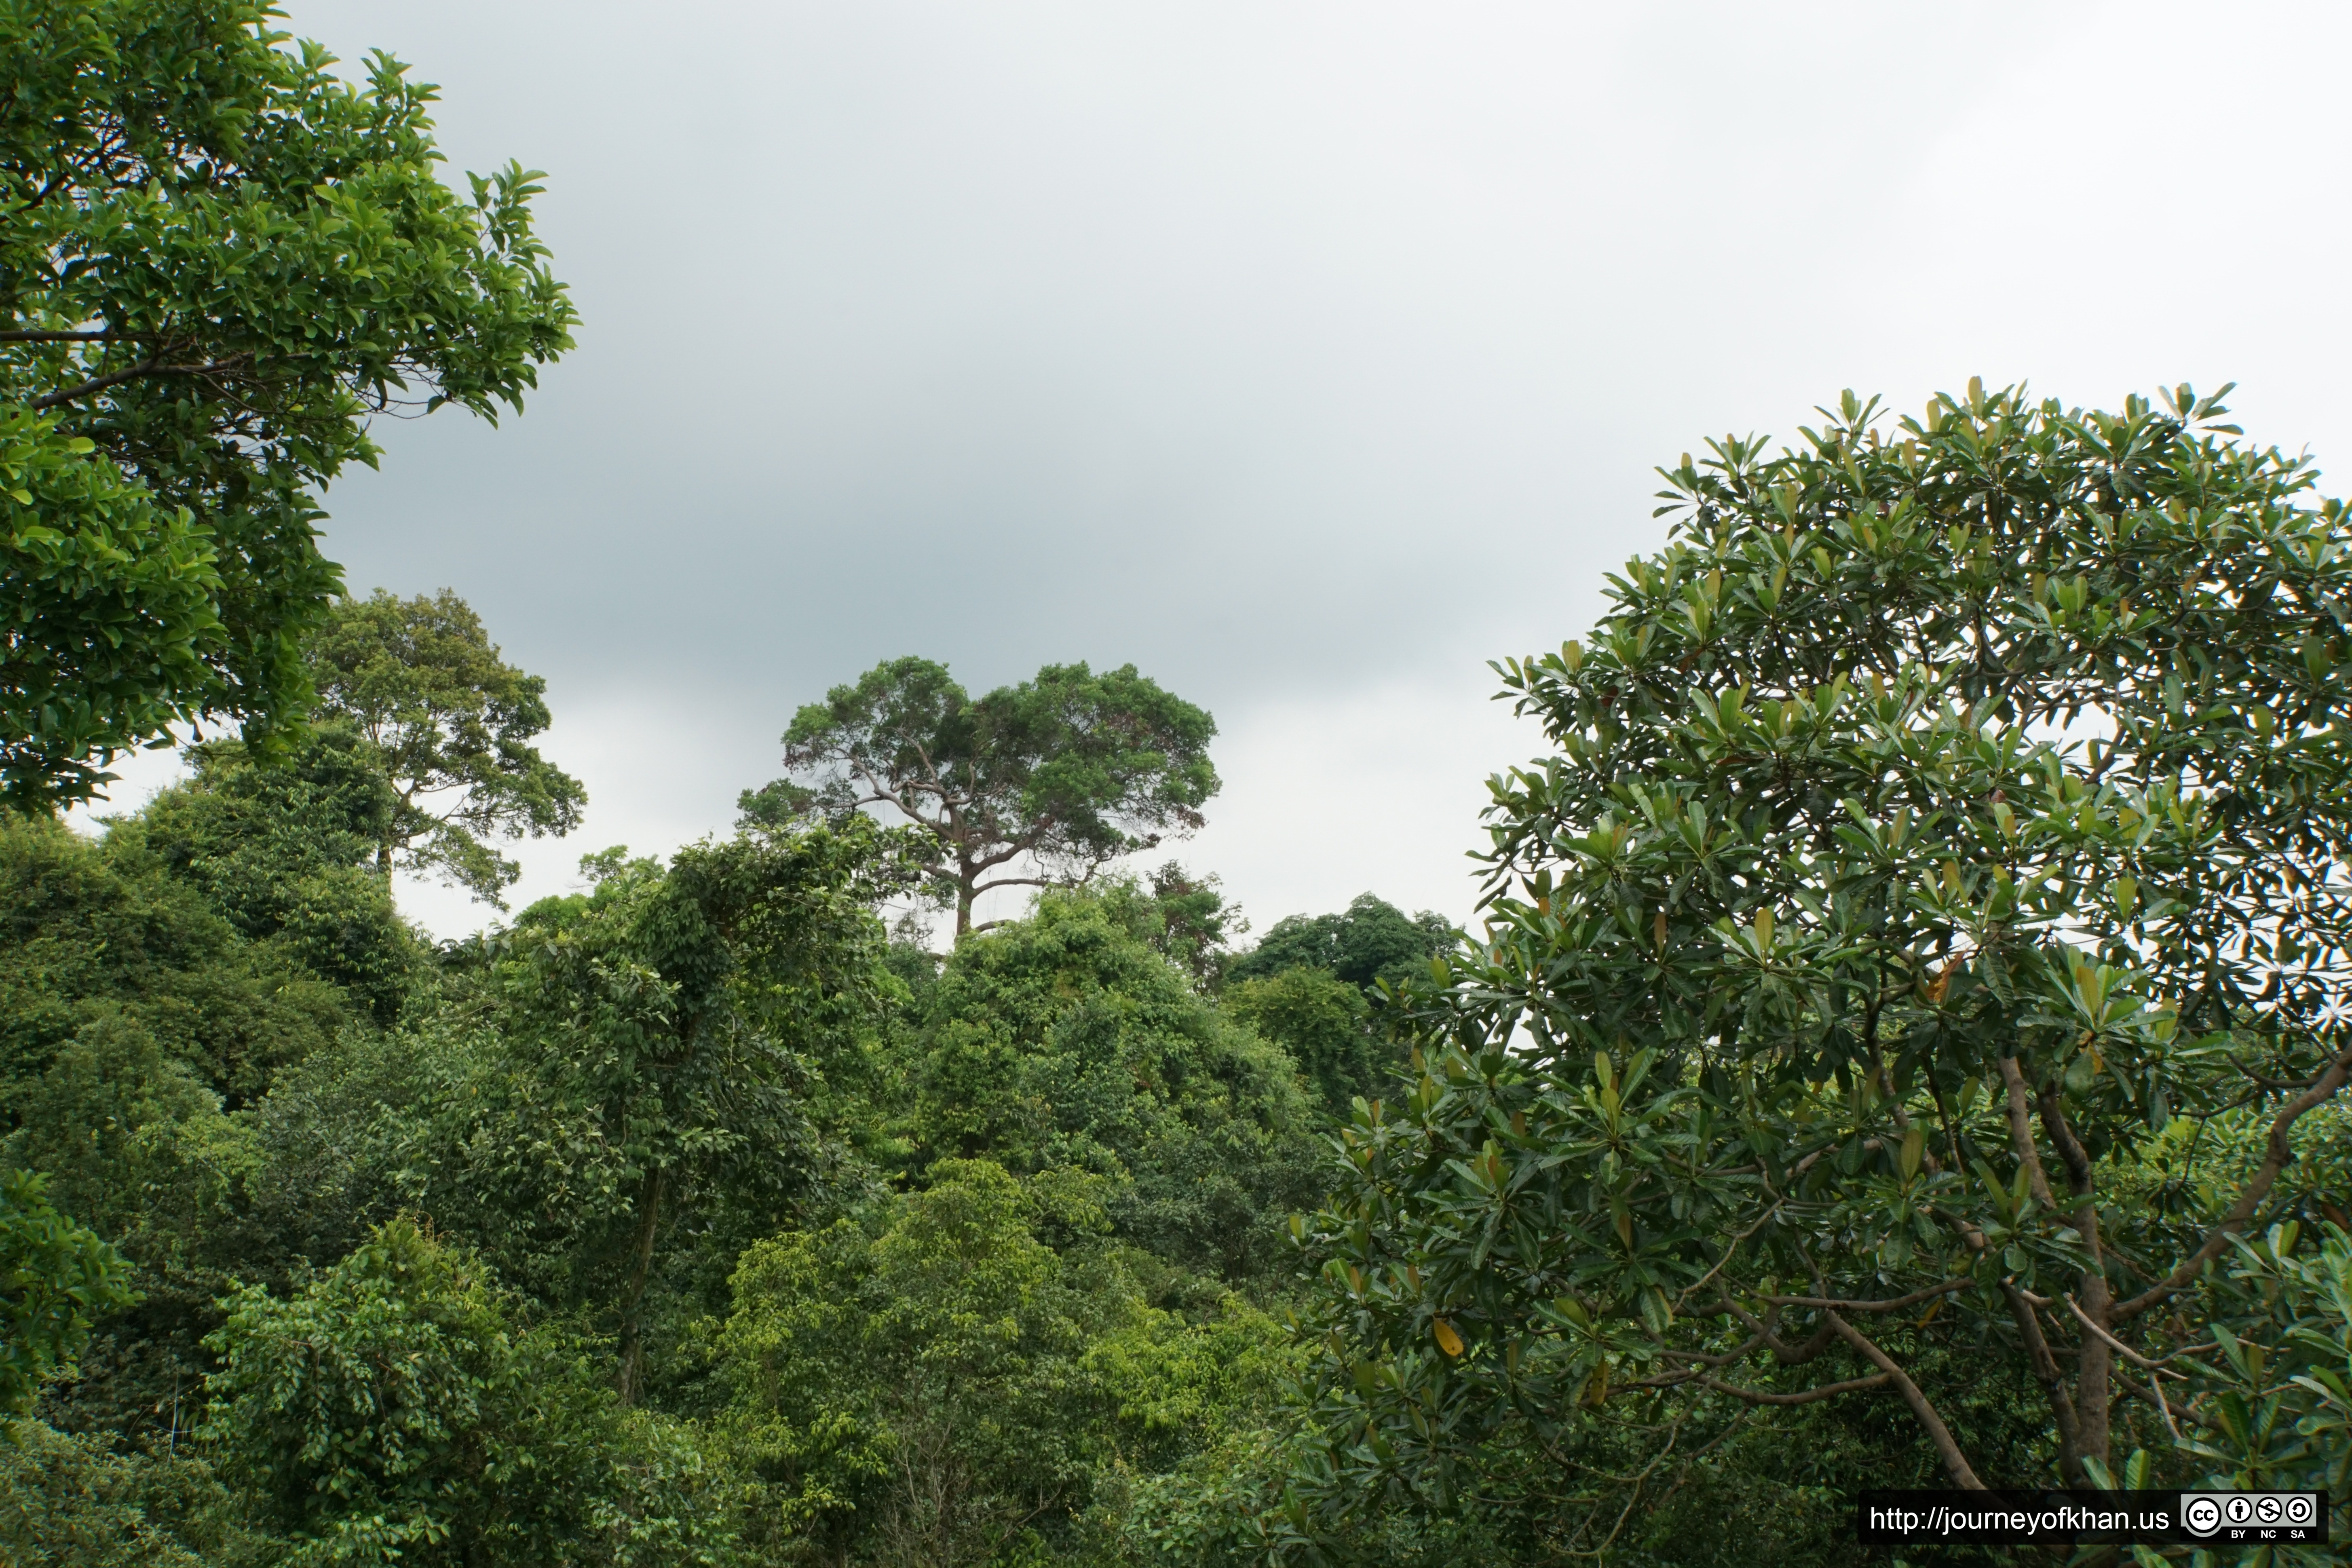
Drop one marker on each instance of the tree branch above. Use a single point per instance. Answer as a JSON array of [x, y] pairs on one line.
[[2021, 1132], [1887, 1304], [144, 368], [2281, 1154], [1786, 1354], [1955, 1464], [1826, 1391], [2046, 1371], [2125, 1350], [980, 888]]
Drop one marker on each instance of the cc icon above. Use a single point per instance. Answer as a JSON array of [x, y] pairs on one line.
[[2202, 1515]]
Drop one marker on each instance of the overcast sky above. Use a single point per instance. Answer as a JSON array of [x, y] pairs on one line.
[[1307, 356]]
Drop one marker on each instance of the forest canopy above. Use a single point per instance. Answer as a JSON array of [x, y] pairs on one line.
[[1903, 1042]]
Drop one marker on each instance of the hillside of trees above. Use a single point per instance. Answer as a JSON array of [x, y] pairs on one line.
[[1902, 1043]]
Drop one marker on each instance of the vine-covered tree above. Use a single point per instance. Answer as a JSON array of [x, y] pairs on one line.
[[641, 1056], [1929, 935], [1029, 785], [401, 1407], [448, 723], [220, 261]]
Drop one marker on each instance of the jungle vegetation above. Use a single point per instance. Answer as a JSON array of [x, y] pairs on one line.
[[1902, 1041]]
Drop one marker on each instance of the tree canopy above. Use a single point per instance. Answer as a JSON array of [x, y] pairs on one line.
[[1371, 940], [55, 1277], [447, 724], [1905, 1045], [219, 262], [1030, 784], [1920, 965]]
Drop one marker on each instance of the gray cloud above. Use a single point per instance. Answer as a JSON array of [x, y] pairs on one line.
[[1304, 355]]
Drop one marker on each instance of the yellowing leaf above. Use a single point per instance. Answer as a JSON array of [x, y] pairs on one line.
[[1447, 1340]]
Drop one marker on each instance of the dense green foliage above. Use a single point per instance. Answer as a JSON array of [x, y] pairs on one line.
[[1903, 1046], [695, 1218], [1025, 786], [1368, 942], [447, 724], [218, 260], [1845, 1004], [685, 1215], [395, 1409], [54, 1276]]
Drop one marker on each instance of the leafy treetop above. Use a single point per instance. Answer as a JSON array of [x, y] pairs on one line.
[[1070, 770], [448, 724], [218, 261], [1951, 812], [1371, 940]]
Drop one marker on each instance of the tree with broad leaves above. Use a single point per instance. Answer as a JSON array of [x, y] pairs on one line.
[[639, 1058], [55, 1279], [1923, 960], [218, 261], [447, 724], [1029, 785]]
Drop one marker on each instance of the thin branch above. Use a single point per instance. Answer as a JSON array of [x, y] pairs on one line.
[[1889, 1304], [2269, 1085], [2047, 1371], [2281, 1156], [1826, 1391], [1730, 1250], [1787, 1355], [980, 888], [144, 368], [1955, 1464], [2152, 1393], [2132, 1355]]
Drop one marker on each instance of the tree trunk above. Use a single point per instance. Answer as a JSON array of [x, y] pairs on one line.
[[965, 877], [2094, 1378], [631, 1380]]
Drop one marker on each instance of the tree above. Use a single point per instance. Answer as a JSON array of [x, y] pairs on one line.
[[219, 262], [286, 851], [1070, 770], [402, 1408], [448, 722], [1944, 837], [55, 1279], [1369, 941], [91, 931], [1321, 1021], [1066, 1039], [951, 1377], [922, 1393], [637, 1058]]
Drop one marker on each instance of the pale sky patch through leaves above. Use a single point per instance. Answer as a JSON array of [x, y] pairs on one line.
[[1307, 356]]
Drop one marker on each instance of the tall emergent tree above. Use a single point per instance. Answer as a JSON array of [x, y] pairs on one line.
[[1030, 785], [218, 260], [447, 724], [1923, 964]]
